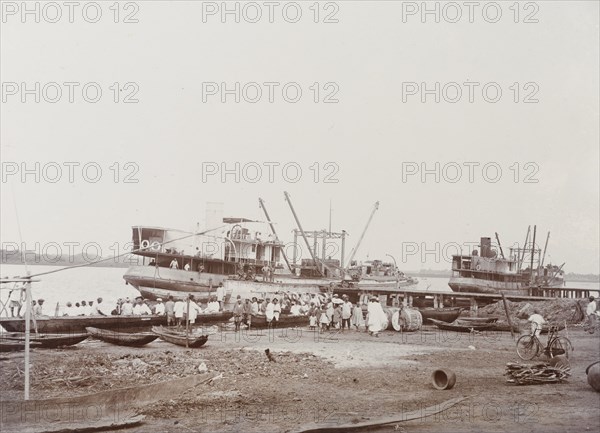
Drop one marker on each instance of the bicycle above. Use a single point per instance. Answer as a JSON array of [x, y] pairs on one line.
[[529, 346]]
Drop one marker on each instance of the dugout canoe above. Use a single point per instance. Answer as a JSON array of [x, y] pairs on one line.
[[47, 341], [180, 338], [479, 319], [458, 327], [14, 345], [77, 324], [447, 315], [285, 321], [135, 339]]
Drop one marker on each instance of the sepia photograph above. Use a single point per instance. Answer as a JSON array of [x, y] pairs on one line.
[[300, 216]]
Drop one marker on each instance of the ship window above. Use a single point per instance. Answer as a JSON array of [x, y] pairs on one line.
[[253, 248]]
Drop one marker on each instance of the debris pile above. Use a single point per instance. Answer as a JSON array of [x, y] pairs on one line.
[[85, 373], [534, 374], [555, 311]]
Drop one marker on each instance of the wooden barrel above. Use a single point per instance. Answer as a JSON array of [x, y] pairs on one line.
[[410, 319], [389, 322], [396, 321]]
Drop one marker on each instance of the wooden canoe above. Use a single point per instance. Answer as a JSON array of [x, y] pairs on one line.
[[180, 338], [447, 315], [14, 345], [285, 321], [47, 341], [479, 319], [77, 324], [458, 327], [136, 339]]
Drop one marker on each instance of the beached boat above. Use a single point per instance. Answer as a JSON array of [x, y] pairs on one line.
[[180, 338], [77, 324], [285, 321], [478, 319], [48, 341], [484, 272], [442, 314], [135, 339], [14, 345], [463, 327]]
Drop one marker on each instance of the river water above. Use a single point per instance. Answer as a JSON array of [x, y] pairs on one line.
[[89, 283]]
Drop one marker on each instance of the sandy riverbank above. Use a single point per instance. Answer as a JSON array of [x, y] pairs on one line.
[[335, 376]]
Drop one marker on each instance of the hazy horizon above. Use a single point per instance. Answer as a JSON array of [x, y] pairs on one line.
[[501, 166]]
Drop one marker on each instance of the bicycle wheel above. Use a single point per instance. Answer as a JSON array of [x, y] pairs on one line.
[[527, 347], [560, 346]]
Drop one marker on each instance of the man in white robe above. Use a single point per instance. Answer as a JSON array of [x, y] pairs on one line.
[[376, 317]]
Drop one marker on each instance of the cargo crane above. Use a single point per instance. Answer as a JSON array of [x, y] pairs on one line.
[[355, 249]]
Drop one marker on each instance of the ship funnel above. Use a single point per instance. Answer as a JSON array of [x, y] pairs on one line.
[[486, 247]]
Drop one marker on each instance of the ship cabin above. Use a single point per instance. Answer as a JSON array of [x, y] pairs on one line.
[[239, 246], [372, 269], [485, 265], [310, 269]]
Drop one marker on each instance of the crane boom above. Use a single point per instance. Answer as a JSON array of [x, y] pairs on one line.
[[289, 201], [262, 205], [363, 233]]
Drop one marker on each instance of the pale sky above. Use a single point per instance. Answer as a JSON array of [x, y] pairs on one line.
[[370, 137]]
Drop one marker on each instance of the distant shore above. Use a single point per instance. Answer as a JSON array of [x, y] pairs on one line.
[[12, 258]]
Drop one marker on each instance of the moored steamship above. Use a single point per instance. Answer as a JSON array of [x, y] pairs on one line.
[[178, 262], [484, 272]]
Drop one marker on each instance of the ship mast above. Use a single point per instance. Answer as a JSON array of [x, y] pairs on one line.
[[545, 246], [533, 252], [524, 247], [499, 245], [363, 234]]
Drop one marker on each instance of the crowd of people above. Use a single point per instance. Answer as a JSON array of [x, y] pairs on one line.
[[324, 311]]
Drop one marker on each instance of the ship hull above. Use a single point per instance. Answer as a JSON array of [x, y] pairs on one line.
[[473, 285], [174, 280]]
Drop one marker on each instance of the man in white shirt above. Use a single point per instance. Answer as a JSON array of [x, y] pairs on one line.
[[127, 308], [194, 310], [77, 311], [592, 315], [537, 321], [187, 267], [295, 310], [14, 297], [141, 309], [315, 300], [270, 312], [38, 309], [212, 306], [174, 264], [85, 309], [179, 312], [254, 306], [97, 309], [69, 311], [159, 308], [220, 295]]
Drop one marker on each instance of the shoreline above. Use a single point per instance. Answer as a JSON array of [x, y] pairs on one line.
[[339, 376]]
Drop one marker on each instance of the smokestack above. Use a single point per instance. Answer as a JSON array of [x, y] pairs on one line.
[[486, 247]]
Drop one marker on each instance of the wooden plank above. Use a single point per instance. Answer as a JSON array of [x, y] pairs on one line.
[[333, 427]]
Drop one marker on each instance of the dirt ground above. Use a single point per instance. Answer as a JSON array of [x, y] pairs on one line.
[[332, 377]]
